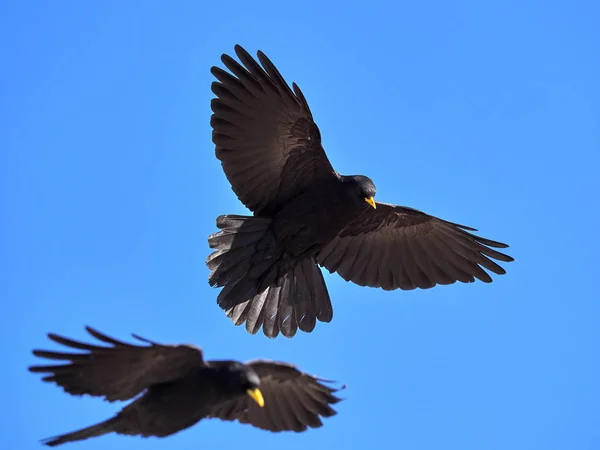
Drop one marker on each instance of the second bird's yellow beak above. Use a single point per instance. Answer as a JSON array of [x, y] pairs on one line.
[[257, 396], [371, 201]]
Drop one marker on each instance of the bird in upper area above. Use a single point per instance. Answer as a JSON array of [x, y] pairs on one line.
[[178, 388], [307, 215]]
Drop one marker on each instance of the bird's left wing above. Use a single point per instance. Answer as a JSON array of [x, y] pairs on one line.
[[294, 400], [119, 371], [395, 247], [264, 133]]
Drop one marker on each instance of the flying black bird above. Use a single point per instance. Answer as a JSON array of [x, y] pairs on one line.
[[179, 388], [306, 214]]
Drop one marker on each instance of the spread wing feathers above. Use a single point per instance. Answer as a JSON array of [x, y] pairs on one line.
[[294, 401], [264, 133], [117, 372], [298, 301], [397, 247]]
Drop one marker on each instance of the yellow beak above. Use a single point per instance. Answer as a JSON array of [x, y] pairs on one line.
[[257, 396], [371, 201]]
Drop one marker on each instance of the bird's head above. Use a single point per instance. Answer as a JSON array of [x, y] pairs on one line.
[[362, 186], [239, 379]]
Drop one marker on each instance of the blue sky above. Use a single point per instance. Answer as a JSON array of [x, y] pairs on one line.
[[484, 113]]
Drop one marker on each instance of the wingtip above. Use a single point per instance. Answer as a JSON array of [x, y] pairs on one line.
[[37, 352], [51, 441], [54, 337], [143, 339], [226, 59], [240, 51], [335, 394], [33, 368], [96, 334]]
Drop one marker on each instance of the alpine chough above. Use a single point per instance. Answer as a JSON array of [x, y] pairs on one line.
[[306, 214], [178, 388]]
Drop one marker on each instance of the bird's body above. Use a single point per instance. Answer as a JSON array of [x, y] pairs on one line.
[[174, 388], [167, 408], [307, 222], [307, 215]]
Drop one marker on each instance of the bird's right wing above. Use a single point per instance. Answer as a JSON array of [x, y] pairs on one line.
[[118, 372], [294, 400], [395, 247], [264, 133]]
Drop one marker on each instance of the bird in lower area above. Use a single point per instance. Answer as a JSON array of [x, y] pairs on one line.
[[307, 215], [179, 388]]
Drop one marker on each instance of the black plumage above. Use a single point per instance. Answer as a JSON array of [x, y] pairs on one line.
[[176, 388], [306, 214]]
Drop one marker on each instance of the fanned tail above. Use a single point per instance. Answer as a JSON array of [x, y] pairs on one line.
[[261, 287]]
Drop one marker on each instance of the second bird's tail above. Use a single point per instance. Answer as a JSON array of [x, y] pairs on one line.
[[108, 426]]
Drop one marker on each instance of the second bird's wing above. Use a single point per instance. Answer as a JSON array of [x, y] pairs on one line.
[[118, 372], [294, 401]]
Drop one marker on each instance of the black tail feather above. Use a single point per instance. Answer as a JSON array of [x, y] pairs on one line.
[[245, 250], [99, 429], [261, 288]]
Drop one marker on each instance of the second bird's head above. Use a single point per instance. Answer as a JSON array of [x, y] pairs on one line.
[[363, 187], [239, 379]]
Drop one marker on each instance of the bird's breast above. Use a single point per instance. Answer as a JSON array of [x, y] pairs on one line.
[[309, 222]]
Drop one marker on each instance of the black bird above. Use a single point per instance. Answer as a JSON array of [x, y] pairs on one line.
[[179, 388], [306, 214]]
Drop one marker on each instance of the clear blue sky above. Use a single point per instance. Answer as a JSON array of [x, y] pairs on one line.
[[484, 113]]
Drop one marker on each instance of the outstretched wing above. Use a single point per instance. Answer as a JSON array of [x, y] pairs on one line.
[[264, 133], [395, 247], [118, 372], [294, 401]]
